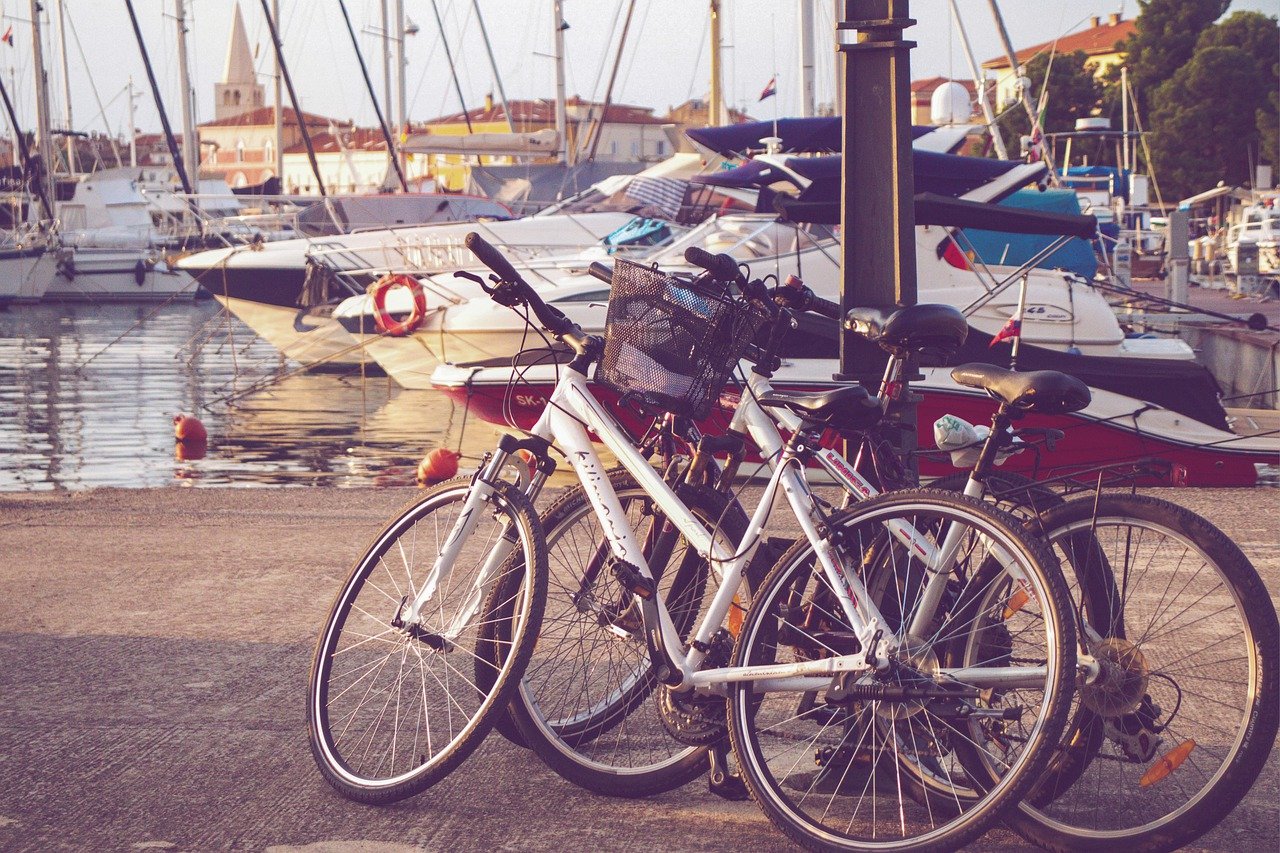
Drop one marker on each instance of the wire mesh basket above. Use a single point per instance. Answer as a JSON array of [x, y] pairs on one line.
[[671, 343]]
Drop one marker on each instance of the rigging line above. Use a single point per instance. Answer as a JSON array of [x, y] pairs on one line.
[[453, 69], [392, 154], [293, 98], [604, 53], [635, 47], [694, 76], [613, 76]]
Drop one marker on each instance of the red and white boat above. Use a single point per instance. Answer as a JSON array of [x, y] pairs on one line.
[[1113, 429]]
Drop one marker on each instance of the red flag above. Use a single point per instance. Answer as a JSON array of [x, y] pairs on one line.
[[1012, 329], [770, 89], [7, 38]]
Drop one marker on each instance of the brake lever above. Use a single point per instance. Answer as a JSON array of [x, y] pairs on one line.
[[491, 291]]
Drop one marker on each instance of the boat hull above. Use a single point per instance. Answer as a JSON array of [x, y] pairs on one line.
[[111, 275], [1113, 430], [307, 336], [25, 274]]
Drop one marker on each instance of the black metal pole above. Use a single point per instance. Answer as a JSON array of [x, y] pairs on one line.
[[878, 252], [155, 93], [377, 110], [23, 151], [448, 55], [293, 98]]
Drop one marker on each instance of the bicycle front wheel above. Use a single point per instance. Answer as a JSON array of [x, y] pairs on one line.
[[1184, 713], [914, 757], [393, 708]]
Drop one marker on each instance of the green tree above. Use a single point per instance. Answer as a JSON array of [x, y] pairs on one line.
[[1072, 93], [1200, 133], [1259, 36], [1164, 39]]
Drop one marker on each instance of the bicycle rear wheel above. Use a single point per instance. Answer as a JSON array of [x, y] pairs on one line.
[[588, 704], [890, 769], [392, 709], [1185, 713]]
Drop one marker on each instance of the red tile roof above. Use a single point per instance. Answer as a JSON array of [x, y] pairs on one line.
[[927, 86], [1096, 40], [543, 111], [353, 139], [266, 116]]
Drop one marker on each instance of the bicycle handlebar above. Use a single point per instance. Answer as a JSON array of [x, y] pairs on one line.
[[551, 318], [602, 271], [491, 257], [723, 268]]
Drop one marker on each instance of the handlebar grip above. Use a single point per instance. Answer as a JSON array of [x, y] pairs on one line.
[[825, 308], [722, 267], [602, 271], [491, 257]]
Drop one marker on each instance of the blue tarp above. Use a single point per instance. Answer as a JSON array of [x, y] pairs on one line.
[[997, 247], [1116, 181]]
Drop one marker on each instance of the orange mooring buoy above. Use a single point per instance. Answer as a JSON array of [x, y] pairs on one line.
[[437, 466], [188, 429]]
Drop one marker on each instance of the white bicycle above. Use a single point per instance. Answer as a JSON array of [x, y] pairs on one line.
[[938, 635]]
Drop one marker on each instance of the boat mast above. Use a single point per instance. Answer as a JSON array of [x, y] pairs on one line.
[[190, 141], [68, 124], [382, 122], [493, 66], [386, 62], [174, 153], [1124, 113], [715, 105], [133, 130], [562, 118], [42, 107], [279, 113], [401, 110], [20, 146], [1027, 97], [807, 109], [980, 85], [293, 98]]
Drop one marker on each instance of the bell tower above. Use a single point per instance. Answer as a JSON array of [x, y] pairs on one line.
[[239, 91]]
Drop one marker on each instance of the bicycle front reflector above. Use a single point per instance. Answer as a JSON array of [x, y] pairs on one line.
[[1167, 763]]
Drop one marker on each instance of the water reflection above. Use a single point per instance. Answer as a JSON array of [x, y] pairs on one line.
[[88, 395]]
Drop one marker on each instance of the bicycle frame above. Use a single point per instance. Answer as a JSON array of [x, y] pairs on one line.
[[573, 410]]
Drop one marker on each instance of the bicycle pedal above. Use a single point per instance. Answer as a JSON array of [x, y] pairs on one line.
[[633, 581], [724, 781]]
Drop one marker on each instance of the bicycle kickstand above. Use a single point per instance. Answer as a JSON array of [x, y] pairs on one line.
[[723, 780]]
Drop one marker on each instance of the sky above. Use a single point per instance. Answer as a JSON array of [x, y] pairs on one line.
[[665, 62]]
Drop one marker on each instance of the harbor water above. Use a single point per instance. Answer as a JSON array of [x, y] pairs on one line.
[[88, 394]]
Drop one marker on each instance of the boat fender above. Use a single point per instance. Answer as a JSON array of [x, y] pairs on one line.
[[437, 466], [379, 290], [140, 273]]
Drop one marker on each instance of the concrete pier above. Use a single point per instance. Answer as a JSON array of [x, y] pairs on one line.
[[154, 647]]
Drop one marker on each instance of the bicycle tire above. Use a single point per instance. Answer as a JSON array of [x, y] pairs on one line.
[[615, 745], [379, 762], [777, 622], [1254, 678]]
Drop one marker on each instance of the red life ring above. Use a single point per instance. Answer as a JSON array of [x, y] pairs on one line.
[[379, 290]]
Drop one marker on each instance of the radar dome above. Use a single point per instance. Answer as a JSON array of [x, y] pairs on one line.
[[951, 104]]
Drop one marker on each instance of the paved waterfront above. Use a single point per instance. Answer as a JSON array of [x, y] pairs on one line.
[[154, 647]]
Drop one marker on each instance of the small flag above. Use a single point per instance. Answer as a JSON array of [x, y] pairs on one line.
[[770, 89], [1012, 329], [7, 38]]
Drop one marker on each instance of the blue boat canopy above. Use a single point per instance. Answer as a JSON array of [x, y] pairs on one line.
[[944, 174], [808, 135]]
